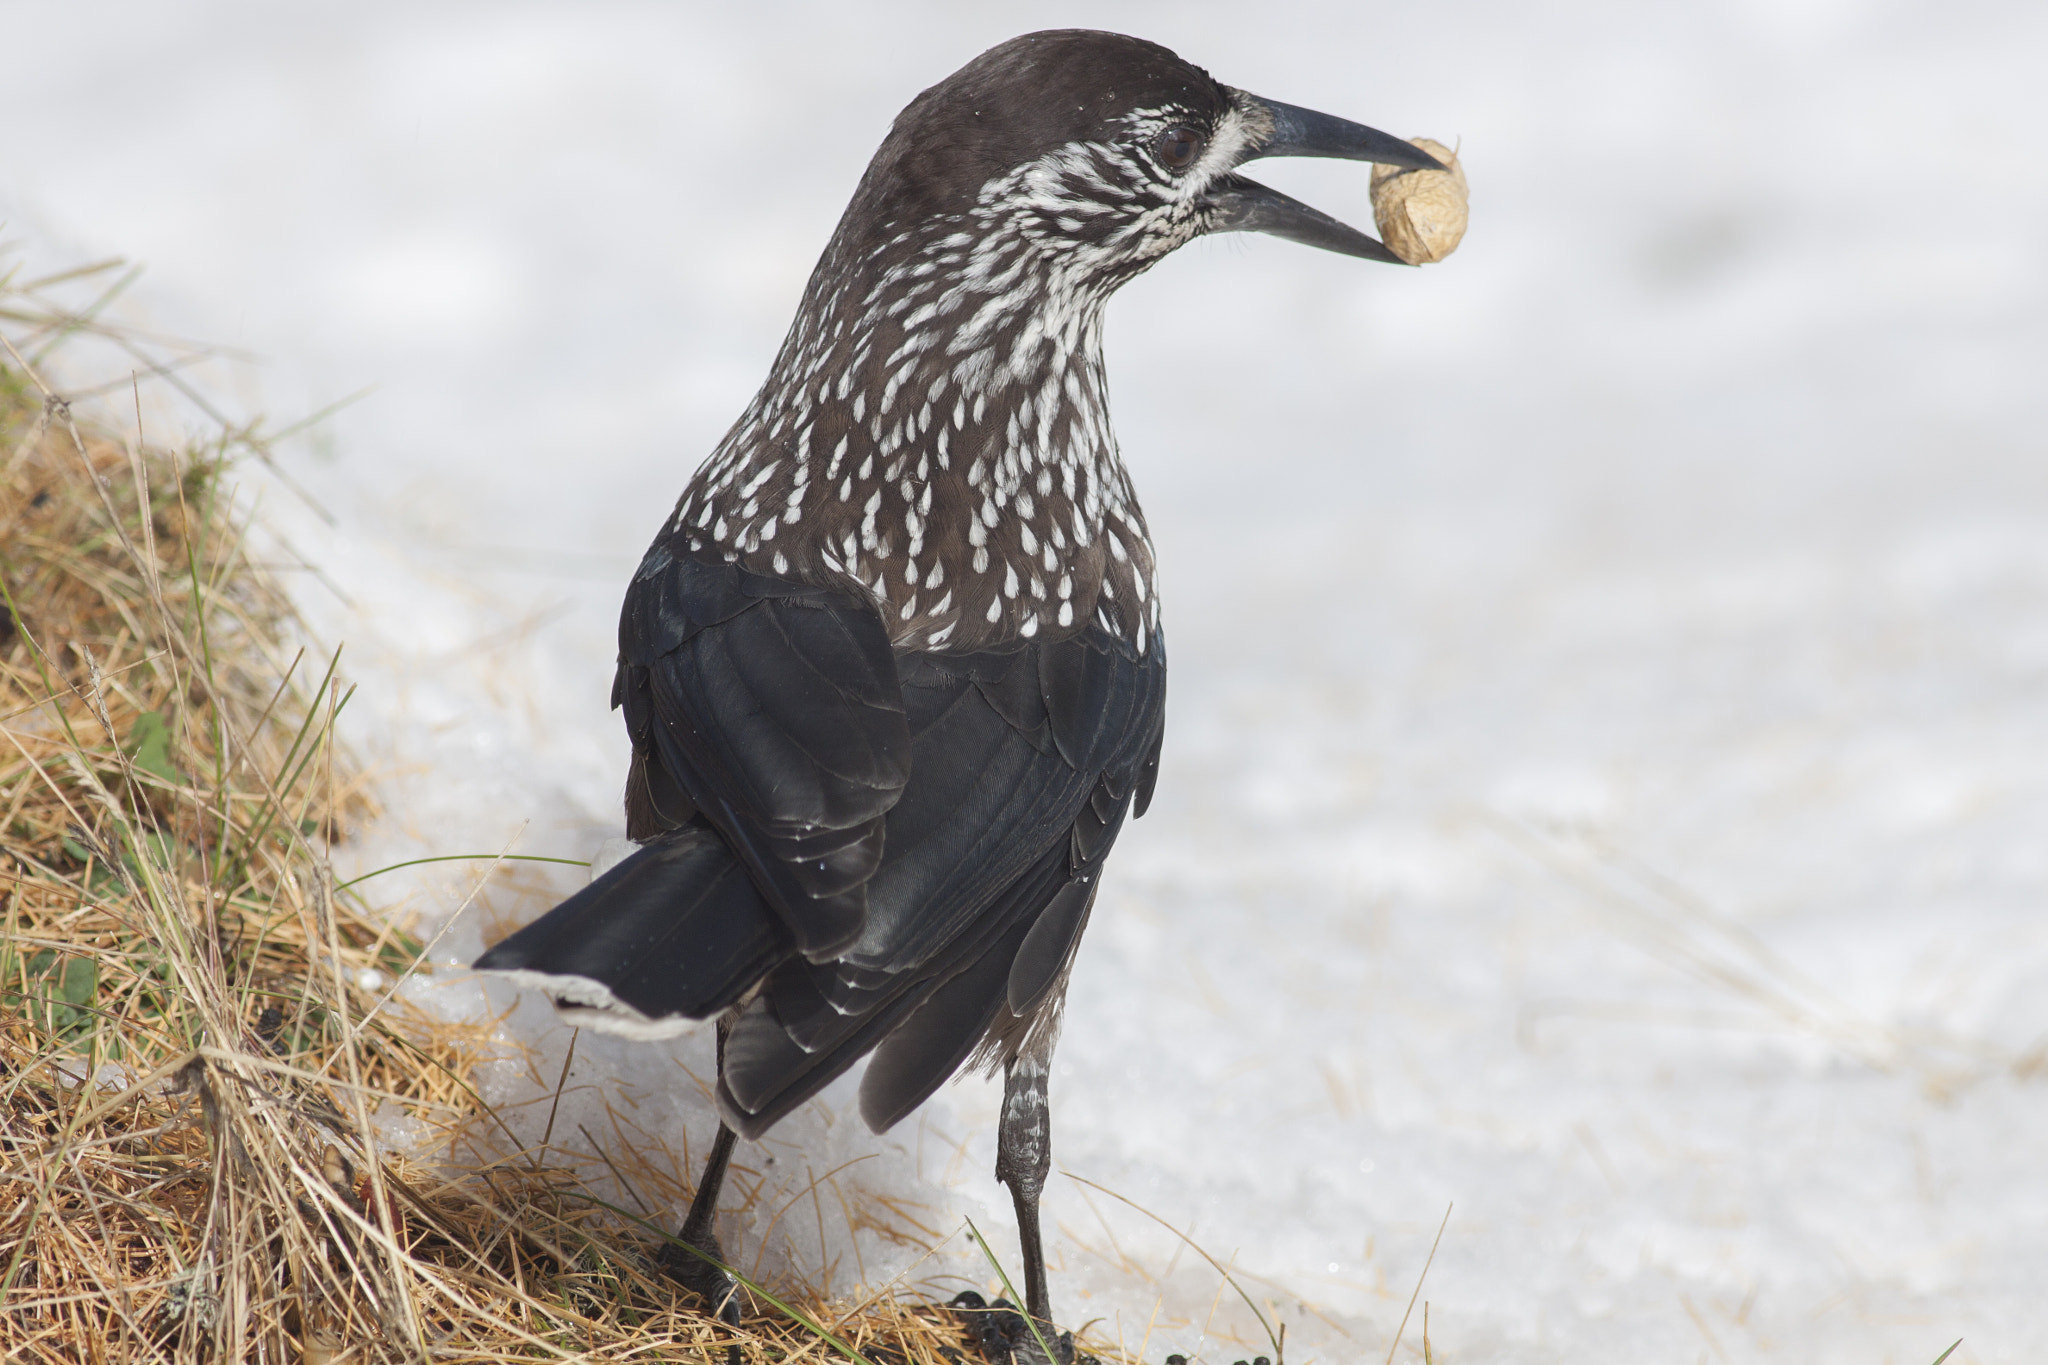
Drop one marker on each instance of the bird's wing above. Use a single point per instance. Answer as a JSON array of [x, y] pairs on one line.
[[1012, 753], [774, 710], [1024, 765]]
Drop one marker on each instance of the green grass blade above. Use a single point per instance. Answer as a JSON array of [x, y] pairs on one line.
[[463, 858], [1010, 1292]]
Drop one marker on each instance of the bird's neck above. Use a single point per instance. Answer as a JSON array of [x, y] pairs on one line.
[[935, 432]]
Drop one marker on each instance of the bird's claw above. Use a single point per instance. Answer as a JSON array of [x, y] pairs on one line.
[[705, 1279], [1001, 1335]]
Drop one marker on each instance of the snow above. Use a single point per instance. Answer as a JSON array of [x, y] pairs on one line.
[[1604, 786]]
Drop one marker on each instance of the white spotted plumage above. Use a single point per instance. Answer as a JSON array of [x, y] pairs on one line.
[[951, 381]]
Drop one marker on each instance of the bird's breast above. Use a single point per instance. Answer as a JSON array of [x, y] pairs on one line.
[[968, 519]]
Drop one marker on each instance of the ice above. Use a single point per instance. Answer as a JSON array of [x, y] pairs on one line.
[[1604, 786]]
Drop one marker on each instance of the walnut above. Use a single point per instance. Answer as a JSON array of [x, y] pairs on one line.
[[1421, 214]]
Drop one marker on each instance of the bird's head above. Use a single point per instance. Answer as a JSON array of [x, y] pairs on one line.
[[1099, 153]]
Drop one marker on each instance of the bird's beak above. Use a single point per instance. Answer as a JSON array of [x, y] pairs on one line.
[[1240, 205]]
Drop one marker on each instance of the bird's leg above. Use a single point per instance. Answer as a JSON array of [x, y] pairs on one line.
[[1023, 1157], [684, 1266], [692, 1271]]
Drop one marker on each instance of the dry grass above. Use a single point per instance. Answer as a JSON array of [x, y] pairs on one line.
[[197, 1035]]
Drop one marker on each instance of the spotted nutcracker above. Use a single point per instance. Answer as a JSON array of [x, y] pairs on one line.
[[893, 670]]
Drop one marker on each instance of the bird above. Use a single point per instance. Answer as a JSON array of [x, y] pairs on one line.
[[893, 670]]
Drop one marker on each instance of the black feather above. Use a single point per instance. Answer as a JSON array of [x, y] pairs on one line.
[[775, 709], [1048, 945], [929, 1046], [767, 1073], [675, 929]]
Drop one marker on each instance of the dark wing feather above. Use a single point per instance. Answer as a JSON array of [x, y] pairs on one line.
[[768, 1073], [775, 710], [1045, 949], [1099, 720], [676, 929], [928, 1047]]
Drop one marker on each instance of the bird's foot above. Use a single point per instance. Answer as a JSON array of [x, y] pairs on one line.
[[706, 1279], [1002, 1335]]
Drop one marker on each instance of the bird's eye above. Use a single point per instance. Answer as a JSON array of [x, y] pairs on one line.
[[1178, 147]]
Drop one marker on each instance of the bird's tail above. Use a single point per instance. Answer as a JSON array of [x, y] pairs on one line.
[[673, 934]]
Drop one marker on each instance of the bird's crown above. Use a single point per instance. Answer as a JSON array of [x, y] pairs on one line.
[[1095, 147]]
